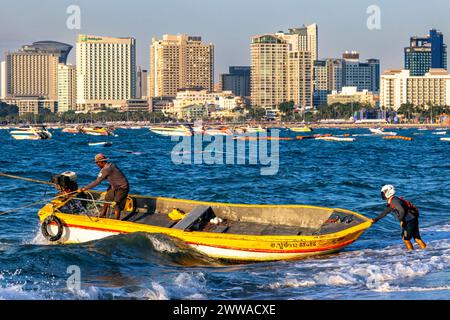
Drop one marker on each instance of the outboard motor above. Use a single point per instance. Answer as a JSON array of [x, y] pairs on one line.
[[66, 181]]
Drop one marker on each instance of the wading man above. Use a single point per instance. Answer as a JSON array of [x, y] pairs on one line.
[[406, 213], [118, 185]]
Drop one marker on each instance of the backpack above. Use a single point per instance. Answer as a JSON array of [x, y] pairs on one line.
[[411, 209]]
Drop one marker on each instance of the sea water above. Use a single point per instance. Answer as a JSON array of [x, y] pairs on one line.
[[154, 266]]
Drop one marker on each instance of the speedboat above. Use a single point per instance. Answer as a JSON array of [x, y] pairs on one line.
[[381, 131], [218, 132], [73, 130], [31, 133], [223, 231], [177, 131], [97, 131], [343, 139], [100, 144], [301, 129], [445, 139], [440, 132], [258, 129]]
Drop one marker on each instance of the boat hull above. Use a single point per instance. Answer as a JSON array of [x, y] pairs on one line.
[[217, 246]]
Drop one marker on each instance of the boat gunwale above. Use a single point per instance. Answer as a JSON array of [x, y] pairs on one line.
[[123, 225]]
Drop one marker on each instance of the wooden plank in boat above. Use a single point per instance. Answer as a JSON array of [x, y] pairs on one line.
[[217, 229], [158, 220], [281, 230], [192, 217], [247, 228]]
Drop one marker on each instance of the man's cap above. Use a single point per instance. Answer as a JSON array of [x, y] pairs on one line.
[[100, 158]]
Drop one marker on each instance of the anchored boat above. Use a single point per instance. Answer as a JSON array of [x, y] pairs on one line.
[[341, 139], [302, 129], [223, 131], [177, 131], [100, 144], [97, 131], [232, 232], [382, 132], [31, 133]]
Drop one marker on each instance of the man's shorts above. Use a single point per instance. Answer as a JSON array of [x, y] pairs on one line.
[[411, 229], [119, 196]]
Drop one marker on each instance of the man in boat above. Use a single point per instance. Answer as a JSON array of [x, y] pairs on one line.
[[406, 213], [118, 185]]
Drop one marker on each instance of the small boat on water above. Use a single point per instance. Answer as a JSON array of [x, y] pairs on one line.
[[380, 131], [301, 129], [224, 231], [440, 132], [445, 139], [224, 131], [97, 131], [177, 131], [31, 133], [342, 139], [74, 130], [100, 144], [258, 129]]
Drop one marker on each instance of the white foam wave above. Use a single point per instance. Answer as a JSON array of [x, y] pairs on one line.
[[370, 270], [90, 293], [38, 239], [443, 228], [411, 289], [292, 283], [162, 246], [17, 292], [189, 284], [157, 292]]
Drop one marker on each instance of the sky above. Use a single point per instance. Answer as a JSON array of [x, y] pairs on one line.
[[228, 24]]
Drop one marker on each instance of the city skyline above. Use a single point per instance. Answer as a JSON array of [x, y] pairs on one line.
[[229, 25]]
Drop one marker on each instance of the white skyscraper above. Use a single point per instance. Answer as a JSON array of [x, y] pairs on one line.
[[106, 72]]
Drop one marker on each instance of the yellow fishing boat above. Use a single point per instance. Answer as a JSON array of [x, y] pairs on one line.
[[302, 129], [97, 131], [232, 232]]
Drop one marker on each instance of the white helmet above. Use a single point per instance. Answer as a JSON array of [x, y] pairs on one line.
[[387, 192]]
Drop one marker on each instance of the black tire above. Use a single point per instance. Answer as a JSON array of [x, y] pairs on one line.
[[46, 223]]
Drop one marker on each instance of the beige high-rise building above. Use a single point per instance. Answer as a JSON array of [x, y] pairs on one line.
[[31, 74], [180, 62], [269, 71], [3, 80], [399, 87], [106, 72], [305, 38], [67, 88], [280, 72], [300, 78]]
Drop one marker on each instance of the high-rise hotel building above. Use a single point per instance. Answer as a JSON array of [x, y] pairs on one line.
[[400, 87], [30, 74], [180, 62], [106, 72], [67, 87], [281, 70], [425, 53]]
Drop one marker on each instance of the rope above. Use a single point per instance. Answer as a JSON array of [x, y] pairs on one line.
[[35, 203], [26, 179], [23, 207]]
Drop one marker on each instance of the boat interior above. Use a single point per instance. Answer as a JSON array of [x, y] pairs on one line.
[[234, 219]]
